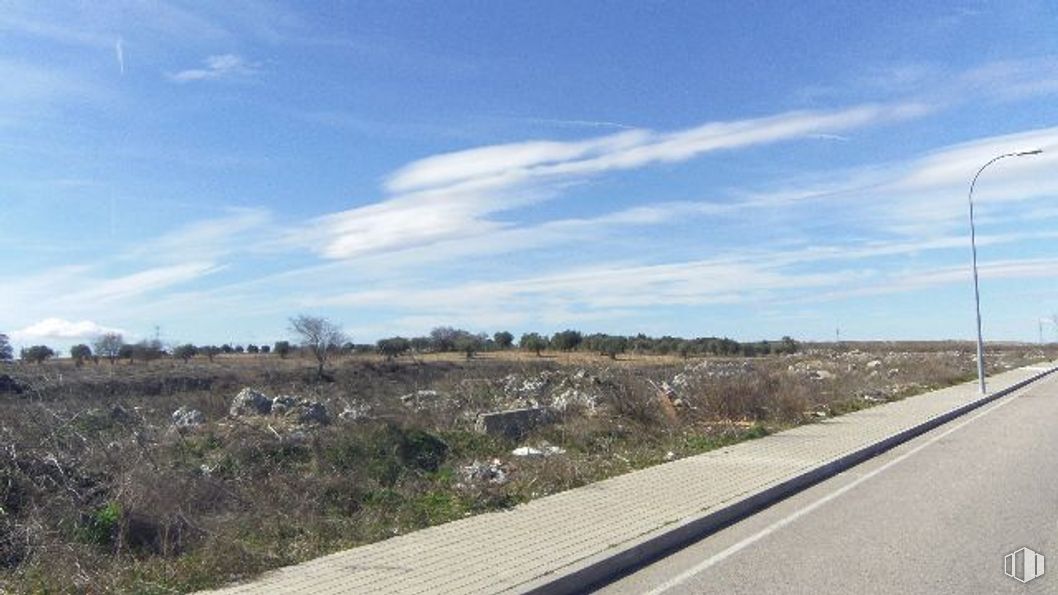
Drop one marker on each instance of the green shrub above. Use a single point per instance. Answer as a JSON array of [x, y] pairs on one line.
[[422, 450], [101, 526]]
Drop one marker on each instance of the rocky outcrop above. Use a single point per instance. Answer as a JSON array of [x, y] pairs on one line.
[[250, 402], [186, 418]]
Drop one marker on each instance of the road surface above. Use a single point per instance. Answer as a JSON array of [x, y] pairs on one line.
[[934, 515]]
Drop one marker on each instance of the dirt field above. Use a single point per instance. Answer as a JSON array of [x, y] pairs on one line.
[[103, 488]]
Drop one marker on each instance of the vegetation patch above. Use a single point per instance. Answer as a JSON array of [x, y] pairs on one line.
[[103, 488]]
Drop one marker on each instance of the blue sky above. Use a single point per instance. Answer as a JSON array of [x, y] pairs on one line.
[[749, 169]]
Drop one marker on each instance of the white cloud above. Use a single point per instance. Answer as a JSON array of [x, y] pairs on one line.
[[28, 84], [633, 148], [238, 230], [611, 286], [119, 53], [955, 165], [59, 329], [1012, 80], [923, 197], [216, 67], [917, 280], [142, 282], [451, 196]]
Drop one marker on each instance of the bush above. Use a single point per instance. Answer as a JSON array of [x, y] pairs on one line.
[[101, 526], [422, 450]]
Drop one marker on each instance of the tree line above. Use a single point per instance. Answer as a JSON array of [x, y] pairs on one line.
[[321, 338]]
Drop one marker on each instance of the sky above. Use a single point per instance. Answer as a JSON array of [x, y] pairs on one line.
[[205, 171]]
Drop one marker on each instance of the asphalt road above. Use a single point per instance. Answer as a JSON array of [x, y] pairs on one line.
[[934, 515]]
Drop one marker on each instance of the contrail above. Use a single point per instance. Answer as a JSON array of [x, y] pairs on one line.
[[119, 50]]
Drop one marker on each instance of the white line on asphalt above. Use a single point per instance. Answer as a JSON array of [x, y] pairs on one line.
[[734, 549]]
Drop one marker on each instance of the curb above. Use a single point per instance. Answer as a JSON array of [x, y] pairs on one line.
[[602, 568]]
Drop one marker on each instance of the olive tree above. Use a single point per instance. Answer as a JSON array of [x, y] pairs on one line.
[[319, 336], [468, 344], [6, 353], [148, 350], [503, 339], [185, 352], [36, 354], [80, 353], [393, 347], [210, 351], [533, 342], [611, 345], [444, 338], [567, 340]]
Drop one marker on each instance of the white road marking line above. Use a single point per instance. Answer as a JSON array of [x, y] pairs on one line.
[[734, 549]]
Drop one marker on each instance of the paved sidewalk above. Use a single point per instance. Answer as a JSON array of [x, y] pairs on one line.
[[562, 540]]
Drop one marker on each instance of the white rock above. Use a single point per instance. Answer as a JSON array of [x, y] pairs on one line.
[[527, 451], [186, 417], [250, 402]]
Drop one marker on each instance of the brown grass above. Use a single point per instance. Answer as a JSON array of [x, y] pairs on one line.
[[98, 492]]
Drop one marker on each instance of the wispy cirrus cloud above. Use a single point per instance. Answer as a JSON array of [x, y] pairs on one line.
[[456, 195], [80, 288], [631, 149], [221, 66], [238, 230], [27, 84], [142, 282], [119, 53]]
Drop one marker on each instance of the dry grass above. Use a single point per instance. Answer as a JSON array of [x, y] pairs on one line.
[[99, 493]]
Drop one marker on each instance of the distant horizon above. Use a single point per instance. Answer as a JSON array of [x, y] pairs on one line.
[[685, 168], [62, 346]]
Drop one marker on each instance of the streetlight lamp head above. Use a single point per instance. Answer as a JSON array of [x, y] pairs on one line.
[[1032, 152]]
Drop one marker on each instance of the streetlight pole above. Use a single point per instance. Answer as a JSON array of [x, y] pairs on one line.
[[973, 250]]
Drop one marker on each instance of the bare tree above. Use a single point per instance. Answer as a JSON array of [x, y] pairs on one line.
[[109, 346], [319, 336]]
